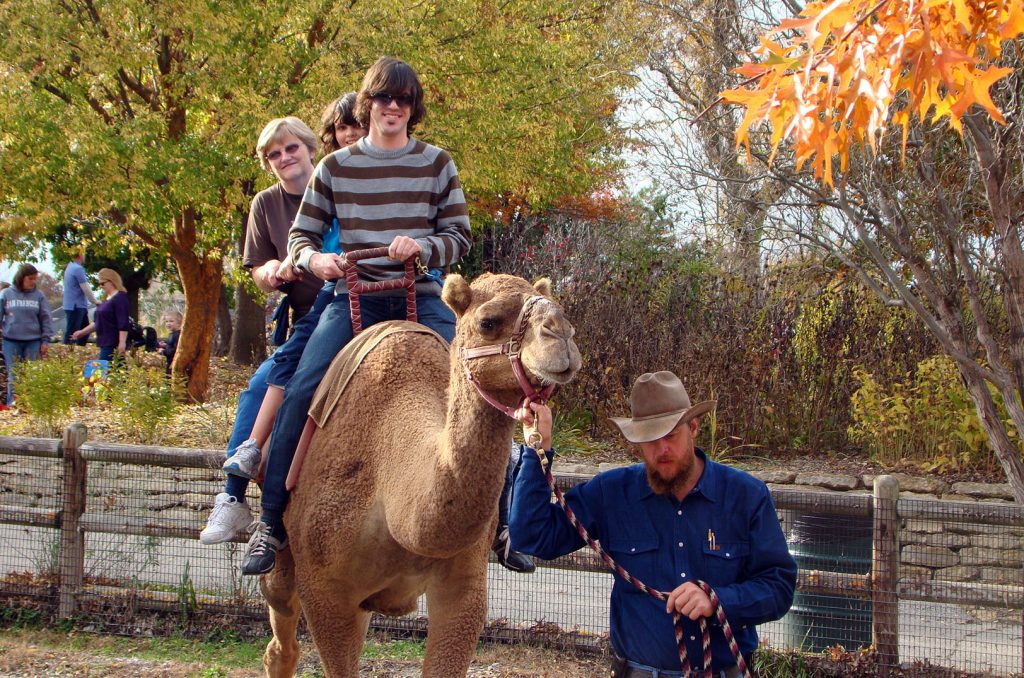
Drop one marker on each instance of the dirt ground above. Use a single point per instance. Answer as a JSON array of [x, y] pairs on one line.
[[22, 658]]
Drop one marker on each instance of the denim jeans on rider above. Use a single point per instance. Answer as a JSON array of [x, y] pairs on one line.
[[332, 333], [275, 371]]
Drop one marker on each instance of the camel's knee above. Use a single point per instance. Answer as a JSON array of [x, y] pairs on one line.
[[281, 657]]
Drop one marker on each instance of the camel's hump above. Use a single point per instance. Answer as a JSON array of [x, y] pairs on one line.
[[351, 357]]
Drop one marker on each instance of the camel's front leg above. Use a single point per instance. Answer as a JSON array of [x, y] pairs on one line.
[[338, 627], [457, 607], [278, 586]]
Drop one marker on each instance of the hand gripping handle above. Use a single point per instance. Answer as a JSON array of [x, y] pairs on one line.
[[356, 287]]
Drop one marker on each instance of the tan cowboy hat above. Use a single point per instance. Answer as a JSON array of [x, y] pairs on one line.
[[658, 402]]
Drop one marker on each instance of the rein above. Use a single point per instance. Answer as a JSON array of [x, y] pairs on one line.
[[534, 442], [512, 349]]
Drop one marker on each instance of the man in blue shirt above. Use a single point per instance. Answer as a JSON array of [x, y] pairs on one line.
[[77, 298], [673, 520]]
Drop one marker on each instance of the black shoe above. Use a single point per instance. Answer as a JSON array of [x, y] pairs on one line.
[[509, 559], [261, 551]]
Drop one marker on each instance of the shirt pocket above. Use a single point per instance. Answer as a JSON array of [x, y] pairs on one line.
[[723, 566], [637, 553]]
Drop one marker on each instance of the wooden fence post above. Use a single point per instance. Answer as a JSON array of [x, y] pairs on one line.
[[885, 574], [72, 541]]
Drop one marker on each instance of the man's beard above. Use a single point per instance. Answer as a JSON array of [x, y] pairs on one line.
[[670, 486]]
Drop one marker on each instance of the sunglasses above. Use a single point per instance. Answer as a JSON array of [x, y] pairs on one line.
[[385, 99], [290, 149]]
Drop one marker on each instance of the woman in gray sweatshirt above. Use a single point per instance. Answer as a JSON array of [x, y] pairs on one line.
[[25, 318]]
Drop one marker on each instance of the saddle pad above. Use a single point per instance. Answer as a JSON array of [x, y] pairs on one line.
[[351, 357]]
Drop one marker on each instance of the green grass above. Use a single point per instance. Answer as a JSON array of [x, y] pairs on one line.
[[217, 657], [394, 649]]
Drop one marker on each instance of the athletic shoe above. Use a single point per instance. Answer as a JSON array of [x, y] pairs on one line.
[[228, 518], [509, 559], [261, 551], [244, 460]]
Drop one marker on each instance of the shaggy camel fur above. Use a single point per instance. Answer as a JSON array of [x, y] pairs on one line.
[[398, 494]]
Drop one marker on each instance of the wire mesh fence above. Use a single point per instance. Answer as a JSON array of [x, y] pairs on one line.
[[112, 543]]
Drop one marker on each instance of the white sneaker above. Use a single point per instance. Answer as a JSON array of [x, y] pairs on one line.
[[244, 461], [228, 518]]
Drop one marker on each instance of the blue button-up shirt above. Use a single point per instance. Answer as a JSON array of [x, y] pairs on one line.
[[725, 532]]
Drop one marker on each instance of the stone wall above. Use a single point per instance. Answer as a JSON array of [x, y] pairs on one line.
[[930, 550]]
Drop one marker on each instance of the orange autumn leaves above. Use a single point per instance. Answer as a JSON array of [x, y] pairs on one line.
[[828, 79]]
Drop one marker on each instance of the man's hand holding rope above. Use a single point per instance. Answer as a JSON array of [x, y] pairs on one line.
[[536, 419], [689, 600]]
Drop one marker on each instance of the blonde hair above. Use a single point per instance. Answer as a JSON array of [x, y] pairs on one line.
[[112, 276], [277, 129], [172, 314]]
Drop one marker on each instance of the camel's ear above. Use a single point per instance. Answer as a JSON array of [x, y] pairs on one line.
[[542, 286], [456, 293]]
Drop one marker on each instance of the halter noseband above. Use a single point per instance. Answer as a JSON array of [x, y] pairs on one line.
[[511, 348]]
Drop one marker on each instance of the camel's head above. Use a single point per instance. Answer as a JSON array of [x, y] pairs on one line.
[[489, 313]]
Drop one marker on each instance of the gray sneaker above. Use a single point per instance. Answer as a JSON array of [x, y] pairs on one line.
[[244, 460]]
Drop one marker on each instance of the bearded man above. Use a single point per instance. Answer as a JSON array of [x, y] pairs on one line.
[[673, 520]]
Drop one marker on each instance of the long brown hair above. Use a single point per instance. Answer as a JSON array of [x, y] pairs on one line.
[[391, 76], [24, 271]]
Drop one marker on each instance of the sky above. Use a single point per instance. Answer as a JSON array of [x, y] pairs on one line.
[[41, 261]]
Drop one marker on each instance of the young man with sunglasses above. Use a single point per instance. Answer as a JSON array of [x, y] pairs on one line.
[[388, 189]]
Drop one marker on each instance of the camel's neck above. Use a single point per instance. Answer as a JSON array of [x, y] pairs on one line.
[[456, 503]]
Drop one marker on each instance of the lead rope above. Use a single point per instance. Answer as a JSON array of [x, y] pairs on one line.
[[534, 442]]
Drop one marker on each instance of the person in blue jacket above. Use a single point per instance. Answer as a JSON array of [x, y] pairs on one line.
[[671, 521], [25, 319]]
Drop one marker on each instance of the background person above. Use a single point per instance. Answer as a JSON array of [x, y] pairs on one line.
[[110, 322], [172, 321], [25, 318], [78, 298], [677, 518]]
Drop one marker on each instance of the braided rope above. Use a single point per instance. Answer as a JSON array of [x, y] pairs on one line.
[[677, 619]]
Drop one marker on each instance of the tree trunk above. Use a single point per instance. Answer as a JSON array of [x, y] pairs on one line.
[[201, 281], [1006, 452], [249, 340], [222, 335]]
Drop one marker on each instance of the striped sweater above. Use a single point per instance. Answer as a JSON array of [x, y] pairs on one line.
[[378, 194]]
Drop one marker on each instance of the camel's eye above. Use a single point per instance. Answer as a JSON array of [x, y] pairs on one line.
[[488, 324]]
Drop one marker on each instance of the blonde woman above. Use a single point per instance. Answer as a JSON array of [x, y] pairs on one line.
[[111, 319]]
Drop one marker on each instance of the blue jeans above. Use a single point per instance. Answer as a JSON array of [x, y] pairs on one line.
[[286, 358], [16, 351], [271, 372], [74, 320], [331, 335]]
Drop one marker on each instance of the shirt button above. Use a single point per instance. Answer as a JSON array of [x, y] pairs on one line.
[[727, 554], [679, 512], [682, 574], [693, 637], [632, 550], [680, 544]]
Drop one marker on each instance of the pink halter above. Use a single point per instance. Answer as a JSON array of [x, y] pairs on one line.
[[511, 348]]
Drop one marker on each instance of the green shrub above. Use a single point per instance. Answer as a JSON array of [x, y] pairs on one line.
[[927, 418], [143, 397], [46, 390]]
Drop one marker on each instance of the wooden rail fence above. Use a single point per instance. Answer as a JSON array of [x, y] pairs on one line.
[[883, 585]]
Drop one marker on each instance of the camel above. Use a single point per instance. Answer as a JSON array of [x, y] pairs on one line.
[[398, 492]]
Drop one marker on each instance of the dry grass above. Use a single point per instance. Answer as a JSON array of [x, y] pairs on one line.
[[206, 425]]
